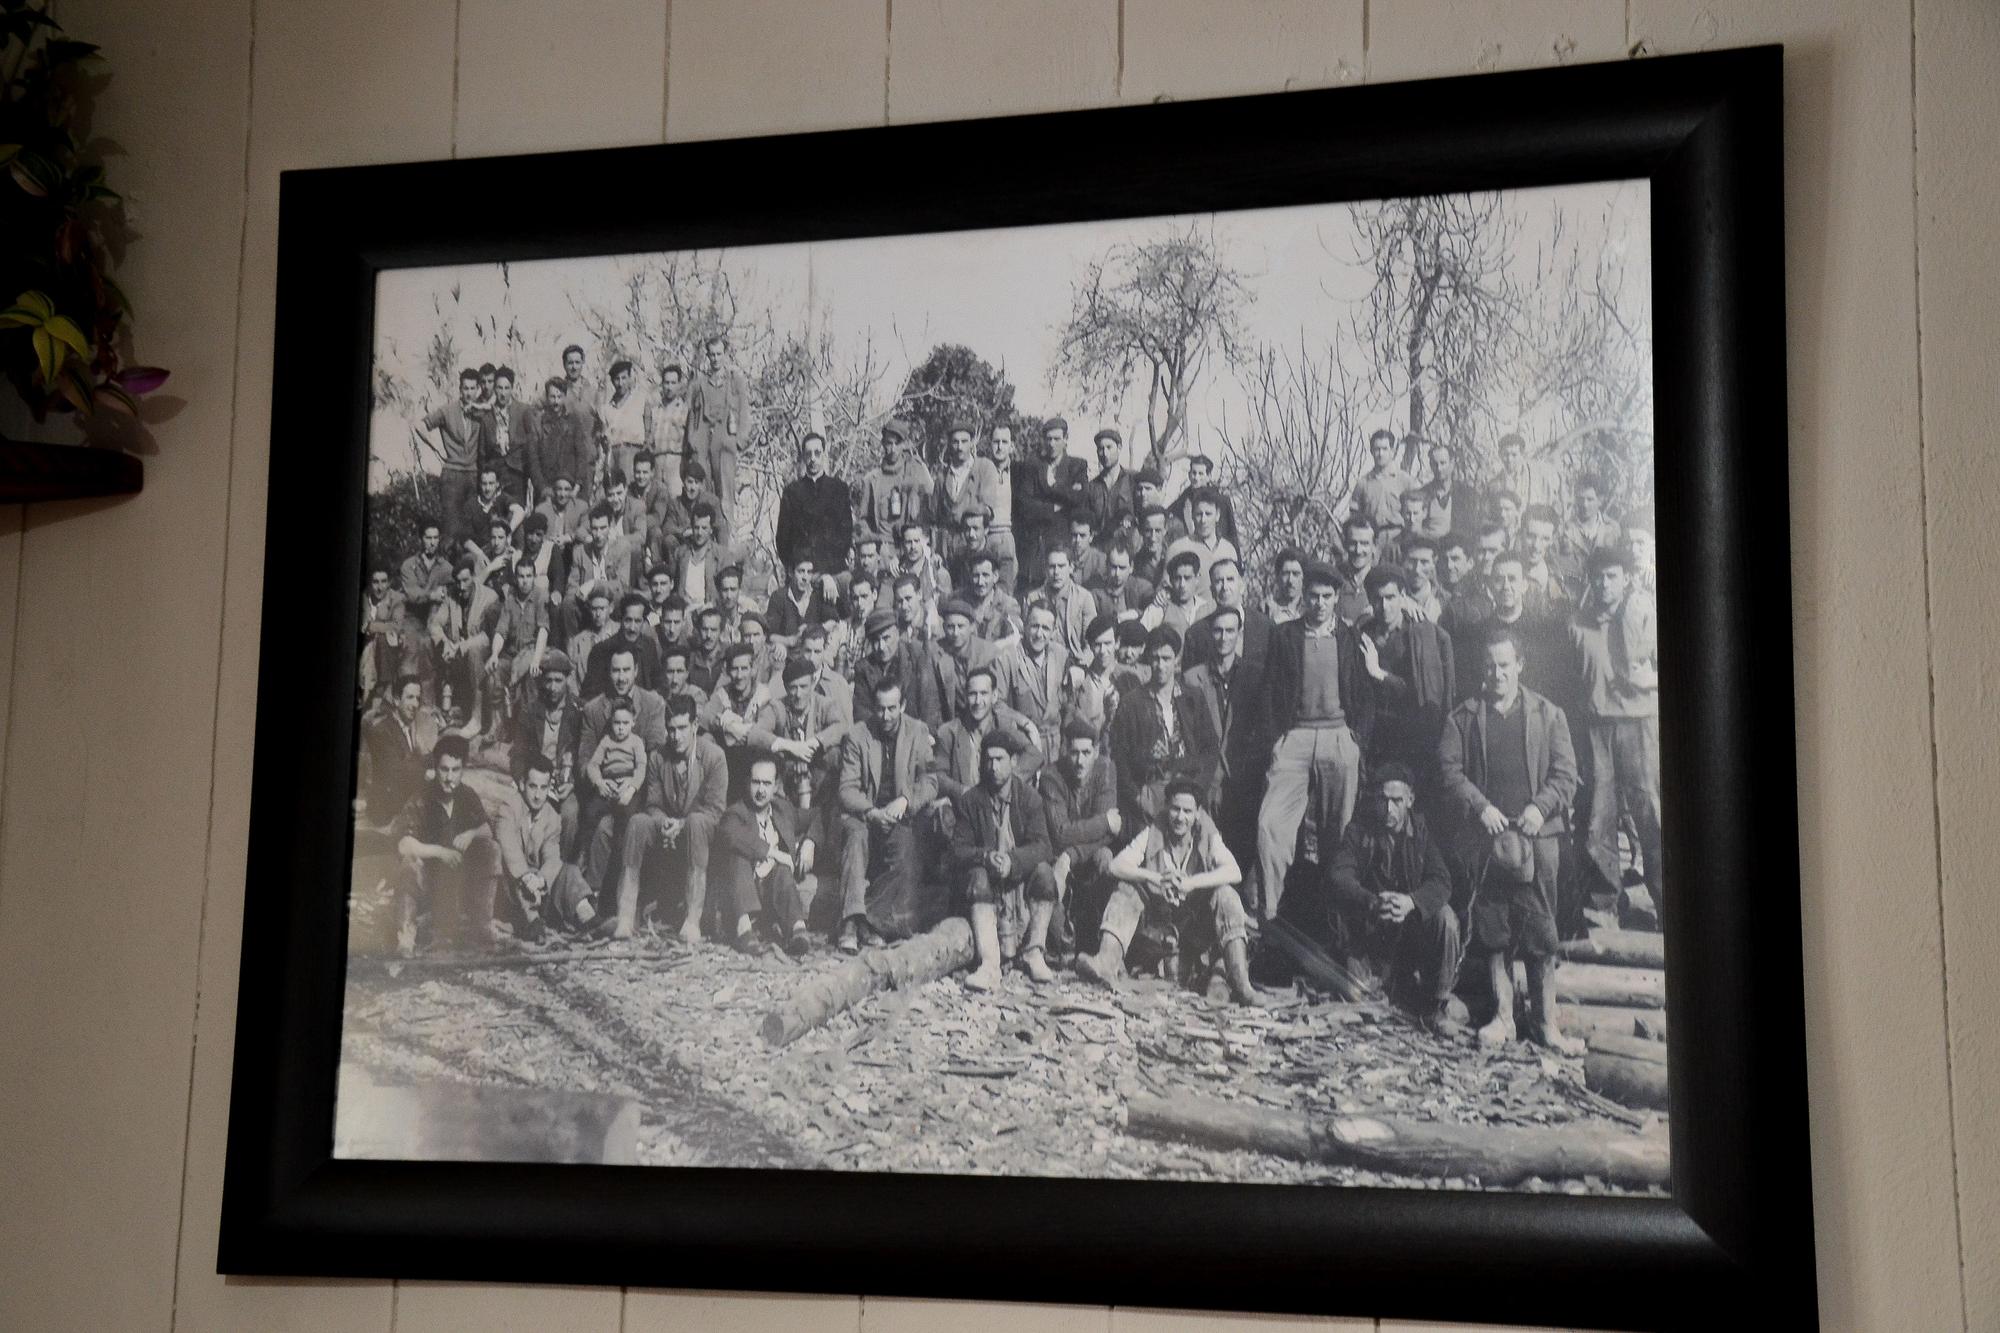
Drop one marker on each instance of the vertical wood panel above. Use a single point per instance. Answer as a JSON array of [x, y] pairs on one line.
[[364, 81], [949, 60], [1888, 1245], [649, 1311], [802, 65], [1958, 288], [536, 77], [107, 809], [1418, 39], [1198, 48]]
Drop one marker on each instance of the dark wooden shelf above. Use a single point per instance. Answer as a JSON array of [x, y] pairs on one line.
[[65, 472]]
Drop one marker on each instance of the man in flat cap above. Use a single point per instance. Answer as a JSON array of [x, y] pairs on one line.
[[1000, 853], [895, 493], [964, 481], [551, 723], [718, 421], [884, 656], [1111, 498]]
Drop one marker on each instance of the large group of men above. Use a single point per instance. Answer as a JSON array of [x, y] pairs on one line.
[[1009, 686]]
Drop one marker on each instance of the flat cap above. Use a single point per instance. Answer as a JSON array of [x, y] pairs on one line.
[[556, 661], [879, 619]]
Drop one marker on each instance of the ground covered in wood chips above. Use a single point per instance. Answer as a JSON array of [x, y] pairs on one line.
[[1030, 1081]]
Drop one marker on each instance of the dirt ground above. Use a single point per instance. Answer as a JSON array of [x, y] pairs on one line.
[[1030, 1081]]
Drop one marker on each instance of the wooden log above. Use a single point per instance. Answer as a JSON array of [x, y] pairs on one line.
[[444, 1121], [935, 953], [1643, 1049], [1634, 1082], [1494, 1154], [1581, 1020], [1596, 983], [1624, 948], [467, 962]]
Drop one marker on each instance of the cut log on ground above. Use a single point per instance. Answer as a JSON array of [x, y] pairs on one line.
[[443, 1121], [1595, 983], [474, 962], [1634, 1082], [1494, 1154], [1643, 1049], [1582, 1020], [935, 953], [1623, 948]]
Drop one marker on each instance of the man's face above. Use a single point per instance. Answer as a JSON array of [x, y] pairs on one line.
[[996, 766], [600, 532], [909, 606], [1491, 546], [1320, 598], [378, 584], [742, 674], [1156, 532], [1206, 515], [430, 539], [1457, 563], [565, 492], [1500, 674], [524, 578], [1107, 452], [892, 450], [503, 389], [680, 733], [1379, 449], [973, 526], [713, 353], [670, 384], [1291, 580], [1079, 753], [961, 445], [532, 540], [888, 711], [704, 530], [468, 389], [600, 613], [1228, 632], [1412, 505], [642, 473], [573, 365], [763, 784], [1509, 513], [553, 397], [660, 587], [690, 487], [1199, 472], [632, 620], [869, 556], [1441, 463], [1181, 580], [729, 592], [1130, 653], [450, 768], [882, 644], [1540, 538], [1641, 542], [913, 549], [755, 636], [554, 686], [709, 631], [1040, 629], [624, 673], [802, 578], [1423, 566], [621, 383], [1397, 802], [1225, 584], [1361, 547], [957, 632], [1386, 602], [1055, 444], [463, 581], [1059, 568], [1148, 494], [863, 596], [815, 650], [674, 672], [982, 578], [1119, 565], [1104, 651], [409, 701], [1589, 503], [489, 485], [617, 493], [1510, 586], [1003, 445], [815, 454], [1181, 812], [979, 697], [1079, 538], [798, 694], [1610, 583], [496, 538], [1165, 665], [1510, 456]]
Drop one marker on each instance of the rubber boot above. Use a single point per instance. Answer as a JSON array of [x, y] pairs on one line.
[[1106, 967], [1236, 969], [1034, 959], [986, 938], [1542, 995], [628, 905]]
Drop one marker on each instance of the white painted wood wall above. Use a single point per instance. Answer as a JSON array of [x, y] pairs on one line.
[[130, 630]]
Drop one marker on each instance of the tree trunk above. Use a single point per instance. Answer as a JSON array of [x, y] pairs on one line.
[[1595, 983], [935, 953], [1494, 1154], [1635, 1082], [1588, 1020], [1625, 948]]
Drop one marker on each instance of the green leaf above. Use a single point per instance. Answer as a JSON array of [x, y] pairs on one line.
[[62, 327], [36, 301], [45, 353], [20, 317]]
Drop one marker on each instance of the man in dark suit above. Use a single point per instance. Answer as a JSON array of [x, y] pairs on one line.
[[1046, 492], [1000, 848], [1228, 685], [1253, 638], [767, 864], [1161, 732]]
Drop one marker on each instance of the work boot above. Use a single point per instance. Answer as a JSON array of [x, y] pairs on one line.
[[1034, 960], [1236, 969], [1448, 1019], [850, 936], [1106, 967], [1036, 965]]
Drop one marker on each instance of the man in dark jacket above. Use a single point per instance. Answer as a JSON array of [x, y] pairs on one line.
[[1080, 798], [1320, 714], [1000, 847], [767, 863], [1161, 732], [815, 514], [1412, 664]]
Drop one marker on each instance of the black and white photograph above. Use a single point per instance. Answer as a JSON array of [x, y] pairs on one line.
[[1124, 699]]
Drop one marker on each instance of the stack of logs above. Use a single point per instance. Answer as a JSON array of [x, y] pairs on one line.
[[1612, 991]]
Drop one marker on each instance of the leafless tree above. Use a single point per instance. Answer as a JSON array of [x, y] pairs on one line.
[[1160, 309]]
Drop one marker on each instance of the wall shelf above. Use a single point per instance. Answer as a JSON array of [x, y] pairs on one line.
[[30, 471]]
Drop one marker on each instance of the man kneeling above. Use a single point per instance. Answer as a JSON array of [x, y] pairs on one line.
[[1176, 903], [1384, 906], [767, 863], [1000, 843]]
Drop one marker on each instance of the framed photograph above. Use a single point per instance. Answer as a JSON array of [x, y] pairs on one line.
[[1153, 706]]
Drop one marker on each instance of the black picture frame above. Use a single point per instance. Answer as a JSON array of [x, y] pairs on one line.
[[1733, 1243]]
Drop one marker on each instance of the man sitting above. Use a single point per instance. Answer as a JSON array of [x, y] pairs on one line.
[[544, 892], [1001, 850], [680, 807], [1176, 906], [448, 855], [885, 778], [1383, 906], [767, 864], [1080, 798]]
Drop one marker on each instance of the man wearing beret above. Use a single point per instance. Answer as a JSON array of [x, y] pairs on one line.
[[956, 754], [1111, 498], [895, 493], [803, 728], [885, 657], [964, 481], [1000, 852], [551, 723]]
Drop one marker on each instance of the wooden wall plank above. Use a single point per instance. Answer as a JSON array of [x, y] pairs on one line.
[[1197, 48], [1958, 289], [464, 1307], [535, 77], [887, 1315], [650, 1311], [1419, 39], [1001, 57], [1887, 1237], [1124, 1320], [802, 65]]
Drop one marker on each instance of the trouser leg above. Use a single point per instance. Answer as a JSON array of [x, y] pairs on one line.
[[856, 835], [1336, 769], [1639, 782], [1428, 953], [696, 833], [1123, 913], [1603, 840], [1284, 805], [1006, 559], [479, 882], [642, 834]]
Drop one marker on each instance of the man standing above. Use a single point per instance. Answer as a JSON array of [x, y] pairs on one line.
[[1225, 581], [1547, 591], [1547, 666], [1162, 734], [964, 481], [670, 422], [581, 398], [1320, 713], [1045, 494], [719, 420], [1111, 497], [1352, 607], [895, 493], [1412, 664], [1074, 607], [461, 438], [815, 513], [1383, 907], [1377, 496], [1207, 544], [1532, 482], [885, 779], [560, 442], [1226, 683], [509, 428], [1509, 773], [448, 854], [1201, 478], [1000, 852], [1454, 505], [1288, 586], [767, 864], [686, 782], [1616, 643], [1000, 524], [629, 427], [1032, 674]]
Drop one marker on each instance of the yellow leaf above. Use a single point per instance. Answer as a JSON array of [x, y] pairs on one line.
[[61, 327], [37, 302], [45, 352]]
